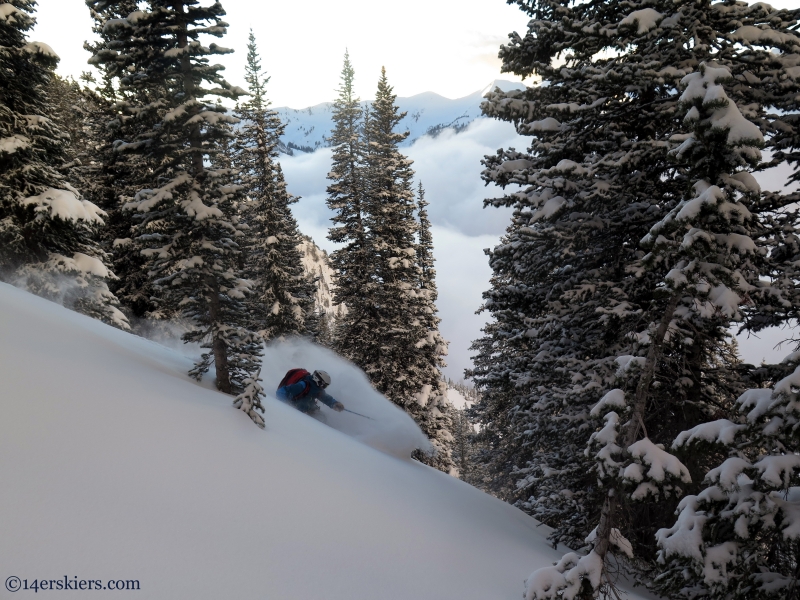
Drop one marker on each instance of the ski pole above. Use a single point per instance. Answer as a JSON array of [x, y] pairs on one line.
[[359, 414]]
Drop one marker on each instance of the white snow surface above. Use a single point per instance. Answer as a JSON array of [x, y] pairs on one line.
[[457, 399], [116, 465]]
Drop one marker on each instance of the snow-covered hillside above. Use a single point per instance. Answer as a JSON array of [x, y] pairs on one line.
[[307, 129], [116, 465]]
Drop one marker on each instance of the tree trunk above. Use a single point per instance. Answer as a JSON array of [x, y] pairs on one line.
[[218, 345], [635, 424]]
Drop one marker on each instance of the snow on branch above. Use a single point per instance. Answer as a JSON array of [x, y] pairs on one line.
[[615, 398], [643, 20], [617, 540], [721, 431], [65, 205], [565, 580], [661, 463]]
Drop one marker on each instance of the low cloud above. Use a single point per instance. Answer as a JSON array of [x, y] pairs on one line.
[[449, 167], [462, 275]]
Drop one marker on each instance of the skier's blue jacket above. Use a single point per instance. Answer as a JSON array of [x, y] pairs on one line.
[[306, 404]]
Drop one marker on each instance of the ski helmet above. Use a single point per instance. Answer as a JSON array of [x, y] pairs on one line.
[[321, 378]]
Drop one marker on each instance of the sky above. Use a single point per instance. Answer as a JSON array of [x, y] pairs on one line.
[[446, 46]]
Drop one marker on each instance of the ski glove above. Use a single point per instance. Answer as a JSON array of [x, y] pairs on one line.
[[338, 407]]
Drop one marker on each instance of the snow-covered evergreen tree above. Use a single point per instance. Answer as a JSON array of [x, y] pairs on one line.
[[187, 218], [47, 228], [282, 302], [733, 253], [346, 199], [579, 372], [390, 328], [437, 420], [81, 114], [738, 537], [564, 304], [388, 335], [424, 249], [118, 175]]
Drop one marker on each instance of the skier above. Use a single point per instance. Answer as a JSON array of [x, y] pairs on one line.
[[302, 389]]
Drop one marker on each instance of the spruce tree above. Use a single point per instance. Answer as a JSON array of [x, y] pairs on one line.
[[391, 330], [733, 252], [388, 209], [599, 355], [565, 307], [346, 199], [117, 175], [187, 218], [738, 537], [467, 447], [437, 417], [47, 228], [81, 114], [283, 300]]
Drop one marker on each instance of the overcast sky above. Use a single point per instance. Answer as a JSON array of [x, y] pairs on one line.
[[446, 46]]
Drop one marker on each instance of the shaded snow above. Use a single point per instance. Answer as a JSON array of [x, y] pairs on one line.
[[40, 48], [117, 465], [661, 463], [8, 13], [614, 398], [89, 264], [9, 145], [721, 431]]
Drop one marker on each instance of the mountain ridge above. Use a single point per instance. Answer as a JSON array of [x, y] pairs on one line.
[[428, 113]]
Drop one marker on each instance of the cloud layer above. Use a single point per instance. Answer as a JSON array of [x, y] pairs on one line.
[[449, 167]]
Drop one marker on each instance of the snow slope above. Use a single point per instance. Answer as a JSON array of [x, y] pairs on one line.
[[457, 399], [307, 129], [115, 465]]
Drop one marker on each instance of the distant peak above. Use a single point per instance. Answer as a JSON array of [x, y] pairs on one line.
[[504, 85]]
